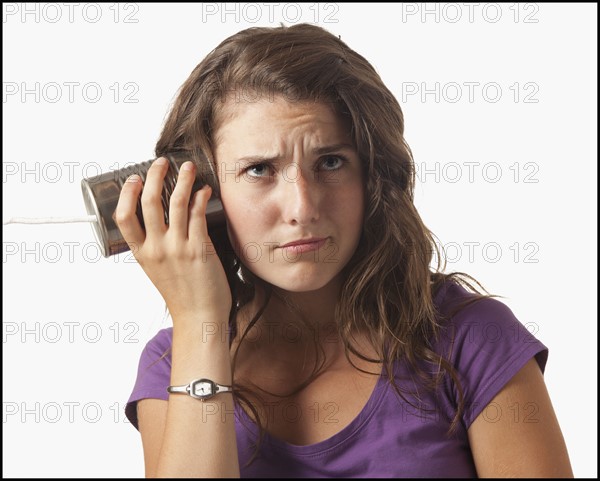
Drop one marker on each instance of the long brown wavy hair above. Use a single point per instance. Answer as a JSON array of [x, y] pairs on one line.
[[389, 285]]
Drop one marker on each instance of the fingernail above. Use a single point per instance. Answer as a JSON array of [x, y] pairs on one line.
[[133, 178], [160, 161], [188, 166]]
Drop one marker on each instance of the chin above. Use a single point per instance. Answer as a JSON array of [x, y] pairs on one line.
[[299, 287], [302, 280]]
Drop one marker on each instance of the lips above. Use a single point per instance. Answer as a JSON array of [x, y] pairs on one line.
[[298, 247], [307, 241]]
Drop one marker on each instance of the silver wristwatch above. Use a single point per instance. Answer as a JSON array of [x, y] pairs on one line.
[[202, 389]]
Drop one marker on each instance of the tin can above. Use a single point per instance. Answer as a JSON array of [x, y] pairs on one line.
[[101, 195]]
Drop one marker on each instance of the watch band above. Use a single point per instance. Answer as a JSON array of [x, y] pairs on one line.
[[200, 389]]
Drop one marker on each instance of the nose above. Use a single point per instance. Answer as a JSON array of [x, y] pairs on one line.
[[300, 196]]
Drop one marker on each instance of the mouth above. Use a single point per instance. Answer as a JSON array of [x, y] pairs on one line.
[[304, 245]]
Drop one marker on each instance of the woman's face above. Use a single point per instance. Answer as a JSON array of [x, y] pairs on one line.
[[289, 174]]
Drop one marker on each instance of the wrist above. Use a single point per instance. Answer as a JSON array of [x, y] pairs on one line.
[[207, 331], [193, 359], [201, 389]]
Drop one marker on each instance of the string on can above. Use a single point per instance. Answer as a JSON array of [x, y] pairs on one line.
[[50, 220]]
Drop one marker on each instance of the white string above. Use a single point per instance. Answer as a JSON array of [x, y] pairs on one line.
[[50, 220]]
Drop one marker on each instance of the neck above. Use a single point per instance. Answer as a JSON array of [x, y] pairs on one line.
[[296, 333], [293, 321], [311, 310]]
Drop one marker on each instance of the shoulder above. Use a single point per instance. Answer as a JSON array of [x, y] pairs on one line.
[[155, 359], [159, 345], [153, 373], [485, 342], [483, 323], [451, 296]]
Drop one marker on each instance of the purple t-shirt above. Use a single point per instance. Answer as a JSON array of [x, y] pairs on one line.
[[390, 437]]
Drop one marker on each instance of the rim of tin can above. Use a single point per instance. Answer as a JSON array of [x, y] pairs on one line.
[[99, 228]]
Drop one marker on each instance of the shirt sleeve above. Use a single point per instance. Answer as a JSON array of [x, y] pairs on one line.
[[154, 373], [488, 345]]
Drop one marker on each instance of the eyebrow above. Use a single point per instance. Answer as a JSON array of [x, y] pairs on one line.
[[328, 149]]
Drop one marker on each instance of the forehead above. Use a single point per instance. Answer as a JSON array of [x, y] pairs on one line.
[[261, 117]]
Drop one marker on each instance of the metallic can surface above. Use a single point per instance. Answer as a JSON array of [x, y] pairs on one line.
[[101, 195]]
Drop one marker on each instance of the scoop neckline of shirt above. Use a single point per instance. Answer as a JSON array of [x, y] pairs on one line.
[[333, 441], [347, 432]]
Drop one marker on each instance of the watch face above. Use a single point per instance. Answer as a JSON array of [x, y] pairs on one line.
[[203, 389]]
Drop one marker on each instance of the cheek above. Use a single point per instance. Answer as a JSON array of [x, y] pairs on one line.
[[350, 206], [247, 219]]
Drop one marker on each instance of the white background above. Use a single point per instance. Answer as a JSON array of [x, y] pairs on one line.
[[534, 235]]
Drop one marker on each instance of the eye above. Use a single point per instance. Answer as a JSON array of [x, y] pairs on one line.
[[333, 162], [257, 170]]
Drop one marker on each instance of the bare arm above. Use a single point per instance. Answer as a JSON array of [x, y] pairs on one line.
[[185, 437], [152, 418], [517, 434]]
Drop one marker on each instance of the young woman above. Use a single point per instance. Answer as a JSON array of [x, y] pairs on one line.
[[311, 337]]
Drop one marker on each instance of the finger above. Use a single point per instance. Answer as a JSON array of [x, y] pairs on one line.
[[152, 208], [198, 231], [125, 213], [179, 204]]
